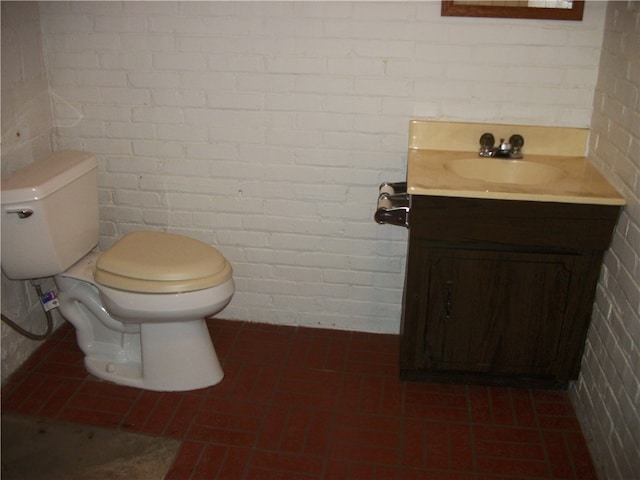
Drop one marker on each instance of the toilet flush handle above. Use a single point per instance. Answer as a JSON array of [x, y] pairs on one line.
[[22, 212]]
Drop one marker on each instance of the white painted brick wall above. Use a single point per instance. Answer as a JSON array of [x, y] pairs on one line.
[[265, 127], [26, 136], [607, 395]]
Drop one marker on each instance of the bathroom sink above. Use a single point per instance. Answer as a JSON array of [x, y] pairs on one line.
[[443, 161], [499, 170]]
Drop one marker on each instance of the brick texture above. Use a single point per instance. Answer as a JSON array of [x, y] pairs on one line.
[[607, 395], [27, 127], [311, 403], [265, 127]]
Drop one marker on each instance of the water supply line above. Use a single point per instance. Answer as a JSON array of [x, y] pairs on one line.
[[26, 333]]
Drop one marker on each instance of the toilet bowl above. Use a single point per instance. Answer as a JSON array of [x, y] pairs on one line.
[[157, 338], [139, 307]]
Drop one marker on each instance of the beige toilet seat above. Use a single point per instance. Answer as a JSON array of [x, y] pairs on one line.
[[160, 262]]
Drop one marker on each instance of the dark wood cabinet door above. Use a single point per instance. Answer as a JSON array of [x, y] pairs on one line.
[[491, 311], [500, 291]]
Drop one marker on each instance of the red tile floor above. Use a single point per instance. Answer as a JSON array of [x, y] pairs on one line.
[[299, 403]]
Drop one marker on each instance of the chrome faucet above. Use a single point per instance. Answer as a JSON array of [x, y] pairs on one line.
[[511, 149]]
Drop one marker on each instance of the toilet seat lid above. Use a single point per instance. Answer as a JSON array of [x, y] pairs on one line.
[[160, 262]]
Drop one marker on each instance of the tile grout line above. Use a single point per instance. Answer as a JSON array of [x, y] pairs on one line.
[[472, 436], [83, 381], [367, 396], [543, 440], [334, 413], [125, 426], [269, 402], [237, 332]]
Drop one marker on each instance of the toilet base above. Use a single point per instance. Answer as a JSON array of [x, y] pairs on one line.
[[176, 356]]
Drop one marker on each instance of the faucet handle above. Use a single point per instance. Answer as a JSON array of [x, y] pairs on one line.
[[517, 142], [486, 144], [487, 140]]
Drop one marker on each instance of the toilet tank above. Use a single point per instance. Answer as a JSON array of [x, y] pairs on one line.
[[49, 215]]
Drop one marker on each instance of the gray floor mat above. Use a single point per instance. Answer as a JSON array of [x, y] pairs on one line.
[[35, 448]]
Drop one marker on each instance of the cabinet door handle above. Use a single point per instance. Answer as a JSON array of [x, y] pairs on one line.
[[448, 300]]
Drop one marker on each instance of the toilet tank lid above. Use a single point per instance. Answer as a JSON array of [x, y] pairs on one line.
[[44, 177]]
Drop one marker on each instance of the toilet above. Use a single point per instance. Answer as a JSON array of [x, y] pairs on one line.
[[139, 307]]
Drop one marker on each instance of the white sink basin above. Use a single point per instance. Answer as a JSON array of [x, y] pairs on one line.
[[499, 170]]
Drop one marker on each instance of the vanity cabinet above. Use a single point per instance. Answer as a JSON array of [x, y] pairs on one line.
[[500, 291]]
